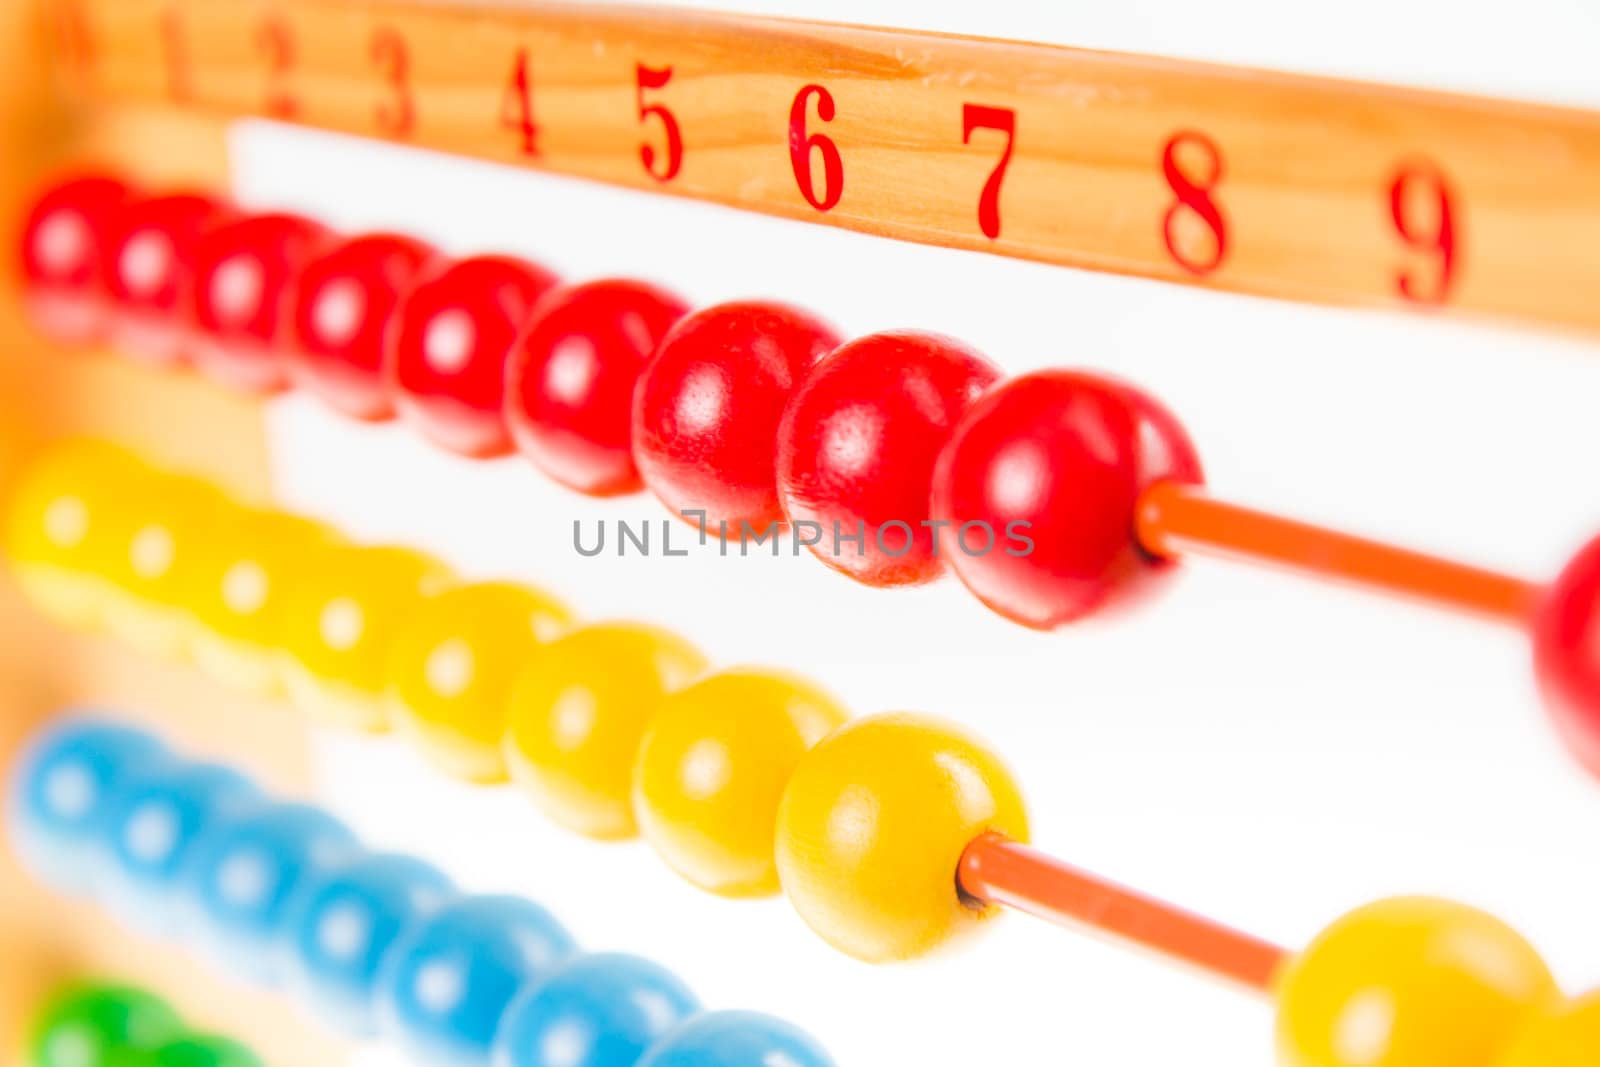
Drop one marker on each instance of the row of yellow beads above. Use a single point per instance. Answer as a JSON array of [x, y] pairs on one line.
[[615, 730], [745, 781]]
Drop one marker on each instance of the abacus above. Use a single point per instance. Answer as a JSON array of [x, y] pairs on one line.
[[547, 511]]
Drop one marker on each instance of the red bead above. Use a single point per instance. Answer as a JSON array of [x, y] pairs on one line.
[[151, 272], [344, 301], [65, 241], [1048, 469], [569, 388], [857, 447], [245, 271], [706, 412], [1566, 653], [447, 351]]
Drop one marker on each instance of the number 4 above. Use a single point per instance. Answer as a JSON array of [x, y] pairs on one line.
[[1004, 119], [516, 107]]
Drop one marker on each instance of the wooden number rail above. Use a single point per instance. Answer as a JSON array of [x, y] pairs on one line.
[[1297, 187]]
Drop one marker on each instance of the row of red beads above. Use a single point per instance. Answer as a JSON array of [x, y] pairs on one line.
[[895, 453]]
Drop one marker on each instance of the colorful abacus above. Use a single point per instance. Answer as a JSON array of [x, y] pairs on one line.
[[891, 834], [1052, 496], [99, 1025], [378, 944]]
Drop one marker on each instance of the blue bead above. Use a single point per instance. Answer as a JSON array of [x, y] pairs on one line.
[[737, 1039], [57, 806], [345, 924], [447, 984], [244, 875], [154, 821], [603, 1010]]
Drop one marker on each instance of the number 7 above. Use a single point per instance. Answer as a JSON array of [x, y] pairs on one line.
[[979, 117]]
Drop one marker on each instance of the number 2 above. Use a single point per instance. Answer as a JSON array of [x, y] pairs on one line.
[[652, 78], [978, 117], [275, 41], [1417, 180]]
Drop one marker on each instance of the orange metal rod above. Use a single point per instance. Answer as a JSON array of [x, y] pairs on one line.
[[1173, 518], [997, 870]]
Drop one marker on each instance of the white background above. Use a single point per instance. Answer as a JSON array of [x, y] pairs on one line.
[[1260, 749]]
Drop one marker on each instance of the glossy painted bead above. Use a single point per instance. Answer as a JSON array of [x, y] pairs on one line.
[[203, 1050], [857, 447], [1040, 484], [245, 874], [94, 1024], [344, 302], [707, 408], [570, 381], [1409, 982], [579, 713], [603, 1010], [64, 257], [170, 524], [240, 589], [346, 922], [1566, 1035], [447, 985], [712, 769], [154, 820], [66, 522], [340, 622], [737, 1039], [61, 792], [447, 350], [873, 827], [151, 273], [452, 667], [1566, 653], [245, 271]]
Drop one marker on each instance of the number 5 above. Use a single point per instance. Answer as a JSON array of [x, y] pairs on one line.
[[978, 117], [650, 78]]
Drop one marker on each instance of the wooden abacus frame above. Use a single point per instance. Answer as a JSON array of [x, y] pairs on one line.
[[1297, 187]]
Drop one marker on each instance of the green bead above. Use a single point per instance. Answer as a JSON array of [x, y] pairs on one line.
[[204, 1050], [95, 1026]]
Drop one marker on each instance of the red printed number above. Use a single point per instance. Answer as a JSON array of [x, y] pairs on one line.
[[1194, 201], [77, 44], [275, 41], [176, 51], [661, 167], [398, 114], [802, 146], [978, 117], [516, 107], [1421, 204]]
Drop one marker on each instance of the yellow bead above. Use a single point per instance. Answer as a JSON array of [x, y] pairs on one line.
[[712, 767], [154, 559], [238, 589], [340, 622], [452, 667], [1568, 1035], [1409, 982], [578, 715], [873, 827], [63, 522]]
